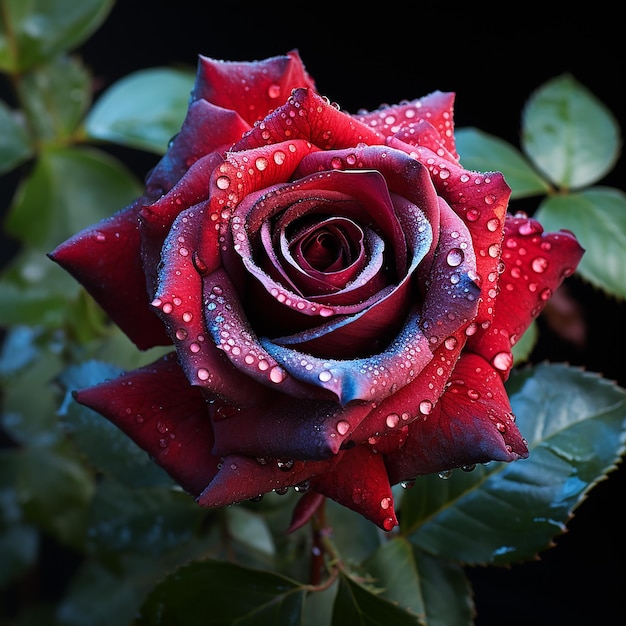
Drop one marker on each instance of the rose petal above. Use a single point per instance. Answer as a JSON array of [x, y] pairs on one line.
[[305, 509], [472, 423], [416, 399], [307, 115], [437, 108], [253, 89], [243, 478], [535, 264], [370, 378], [158, 409], [424, 134], [359, 482], [105, 259], [178, 301], [289, 429]]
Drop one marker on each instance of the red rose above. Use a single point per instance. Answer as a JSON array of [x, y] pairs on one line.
[[341, 294]]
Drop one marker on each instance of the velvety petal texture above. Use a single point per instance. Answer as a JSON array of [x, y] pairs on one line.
[[341, 296]]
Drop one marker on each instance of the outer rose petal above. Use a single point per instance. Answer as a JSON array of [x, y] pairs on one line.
[[253, 89], [436, 108], [243, 478], [472, 423], [105, 259], [158, 409], [359, 482], [535, 264]]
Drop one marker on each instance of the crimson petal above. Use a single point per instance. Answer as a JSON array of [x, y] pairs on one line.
[[437, 108], [472, 423], [158, 409], [253, 89], [359, 482], [243, 478], [105, 259], [535, 264]]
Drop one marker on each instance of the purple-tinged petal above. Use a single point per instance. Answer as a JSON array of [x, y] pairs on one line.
[[287, 428], [178, 301], [472, 423], [369, 379], [359, 482], [243, 478], [158, 409]]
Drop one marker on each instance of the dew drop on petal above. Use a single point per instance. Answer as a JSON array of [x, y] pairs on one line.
[[343, 427], [426, 407], [455, 257], [503, 361], [445, 475], [277, 374], [539, 265], [325, 376], [385, 503], [392, 420]]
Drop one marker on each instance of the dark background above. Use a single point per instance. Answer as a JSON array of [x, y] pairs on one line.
[[493, 59]]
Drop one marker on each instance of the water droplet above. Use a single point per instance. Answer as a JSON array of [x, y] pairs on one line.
[[451, 343], [445, 474], [503, 361], [393, 419], [203, 374], [426, 407], [222, 182], [277, 374], [343, 427], [385, 503], [284, 466], [388, 523], [469, 468], [539, 265], [455, 257], [325, 376]]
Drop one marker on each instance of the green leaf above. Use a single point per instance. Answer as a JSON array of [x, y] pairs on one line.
[[15, 147], [142, 110], [569, 134], [250, 530], [56, 95], [447, 591], [486, 153], [393, 570], [575, 423], [19, 545], [147, 521], [29, 399], [597, 217], [54, 491], [523, 348], [358, 605], [244, 596], [69, 189], [105, 445], [34, 31]]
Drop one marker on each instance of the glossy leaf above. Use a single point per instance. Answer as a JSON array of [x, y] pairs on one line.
[[28, 416], [106, 447], [143, 110], [146, 521], [507, 513], [569, 134], [250, 530], [247, 597], [598, 217], [523, 348], [358, 605], [56, 97], [32, 32], [69, 189], [393, 569], [15, 147], [54, 491], [485, 153]]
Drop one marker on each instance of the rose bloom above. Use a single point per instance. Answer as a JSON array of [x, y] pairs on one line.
[[340, 294]]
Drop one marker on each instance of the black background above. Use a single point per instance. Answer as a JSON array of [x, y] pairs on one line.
[[493, 58]]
